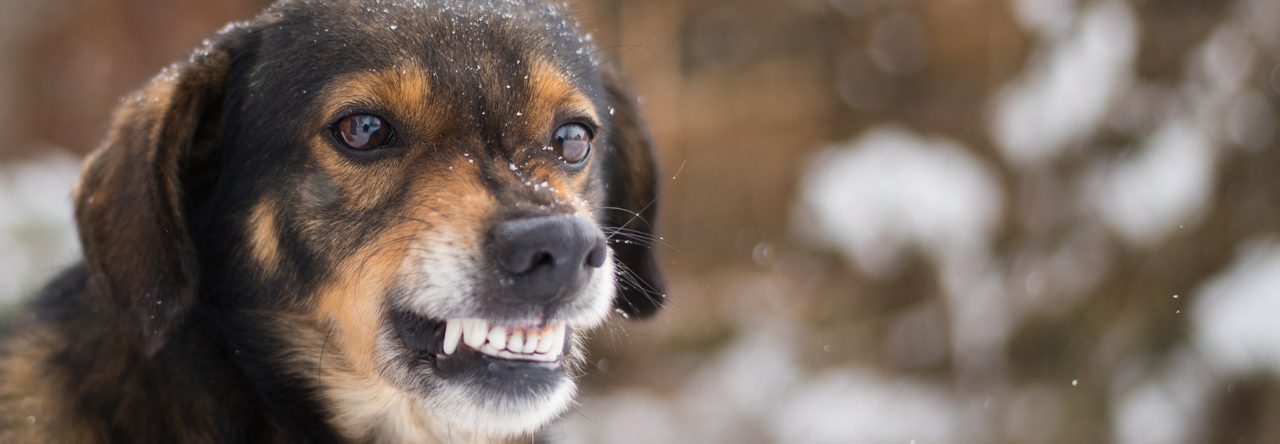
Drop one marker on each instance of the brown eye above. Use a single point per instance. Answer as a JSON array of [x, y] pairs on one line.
[[362, 132], [572, 142]]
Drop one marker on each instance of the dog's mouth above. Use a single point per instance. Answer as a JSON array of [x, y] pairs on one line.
[[493, 373], [455, 343]]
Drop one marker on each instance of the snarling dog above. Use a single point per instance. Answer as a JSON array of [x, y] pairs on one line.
[[345, 221]]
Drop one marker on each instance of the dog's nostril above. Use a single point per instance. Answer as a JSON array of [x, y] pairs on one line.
[[520, 262], [542, 259], [548, 256], [595, 257]]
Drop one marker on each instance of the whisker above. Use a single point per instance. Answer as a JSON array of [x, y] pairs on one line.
[[634, 279], [320, 362], [636, 238]]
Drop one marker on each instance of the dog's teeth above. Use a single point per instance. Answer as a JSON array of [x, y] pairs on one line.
[[452, 333], [498, 337], [481, 332], [548, 338], [488, 349], [477, 330], [545, 344], [516, 342], [531, 338], [558, 346], [464, 324]]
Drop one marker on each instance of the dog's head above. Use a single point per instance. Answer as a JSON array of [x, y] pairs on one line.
[[427, 201]]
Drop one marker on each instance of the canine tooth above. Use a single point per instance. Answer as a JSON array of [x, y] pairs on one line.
[[452, 333], [498, 337], [516, 342], [530, 342], [476, 333]]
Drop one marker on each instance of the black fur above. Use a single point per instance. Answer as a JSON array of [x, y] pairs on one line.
[[168, 331]]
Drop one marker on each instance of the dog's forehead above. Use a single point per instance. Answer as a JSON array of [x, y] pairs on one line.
[[462, 43]]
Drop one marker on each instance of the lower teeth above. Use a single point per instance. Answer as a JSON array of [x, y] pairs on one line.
[[489, 350]]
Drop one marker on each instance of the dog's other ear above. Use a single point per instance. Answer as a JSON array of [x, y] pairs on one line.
[[131, 196], [631, 189]]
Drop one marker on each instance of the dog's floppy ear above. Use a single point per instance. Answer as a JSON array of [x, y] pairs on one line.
[[130, 200], [631, 190]]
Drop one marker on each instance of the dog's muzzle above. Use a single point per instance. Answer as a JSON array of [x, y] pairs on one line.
[[547, 258]]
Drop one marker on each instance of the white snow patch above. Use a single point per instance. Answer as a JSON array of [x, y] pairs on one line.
[[1164, 186], [1066, 91], [756, 389], [891, 190], [1226, 60], [982, 315], [1045, 16], [1166, 406], [37, 237], [1250, 121], [1034, 413], [626, 417], [1260, 16], [1234, 315], [741, 384], [855, 406]]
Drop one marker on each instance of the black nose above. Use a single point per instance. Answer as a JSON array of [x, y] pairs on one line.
[[547, 257]]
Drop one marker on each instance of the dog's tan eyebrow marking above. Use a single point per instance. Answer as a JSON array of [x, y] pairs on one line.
[[403, 89], [551, 91], [400, 93], [552, 96], [264, 242]]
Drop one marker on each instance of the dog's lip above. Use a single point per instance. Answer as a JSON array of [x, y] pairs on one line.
[[500, 340]]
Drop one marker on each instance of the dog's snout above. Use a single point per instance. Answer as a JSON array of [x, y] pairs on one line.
[[548, 256]]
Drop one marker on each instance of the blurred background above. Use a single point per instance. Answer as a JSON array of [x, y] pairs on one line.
[[884, 221]]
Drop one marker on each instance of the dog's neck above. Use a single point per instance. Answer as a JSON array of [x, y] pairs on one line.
[[193, 389]]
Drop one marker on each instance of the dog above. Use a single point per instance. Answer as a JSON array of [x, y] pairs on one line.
[[352, 220]]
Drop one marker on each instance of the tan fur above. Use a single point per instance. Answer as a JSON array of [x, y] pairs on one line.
[[351, 303], [348, 313], [551, 92], [361, 187], [352, 300], [372, 410], [453, 198], [264, 242], [404, 90], [31, 408]]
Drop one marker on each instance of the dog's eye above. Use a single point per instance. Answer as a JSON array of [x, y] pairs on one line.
[[362, 132], [572, 142]]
